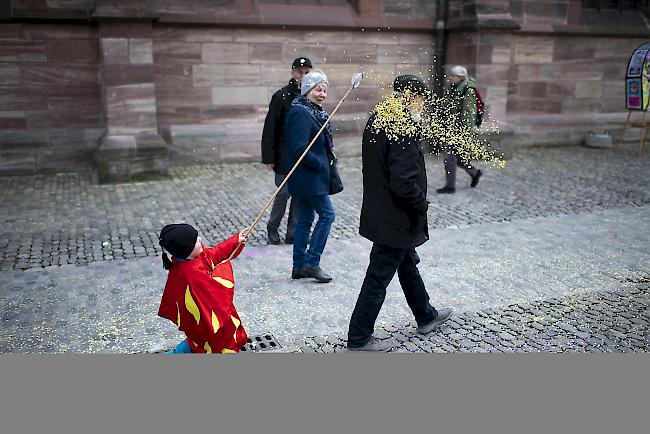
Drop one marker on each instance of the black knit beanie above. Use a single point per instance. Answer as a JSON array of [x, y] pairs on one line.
[[410, 82], [179, 240]]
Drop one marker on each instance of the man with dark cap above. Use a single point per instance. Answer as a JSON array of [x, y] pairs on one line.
[[393, 213], [273, 149]]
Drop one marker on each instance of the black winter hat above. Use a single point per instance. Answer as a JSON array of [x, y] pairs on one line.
[[178, 239], [301, 61], [410, 82]]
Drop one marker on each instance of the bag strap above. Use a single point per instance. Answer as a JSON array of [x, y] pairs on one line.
[[476, 93]]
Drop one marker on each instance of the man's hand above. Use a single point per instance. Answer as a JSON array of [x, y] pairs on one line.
[[270, 167]]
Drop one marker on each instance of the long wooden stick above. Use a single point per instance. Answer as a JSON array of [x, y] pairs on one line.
[[295, 166]]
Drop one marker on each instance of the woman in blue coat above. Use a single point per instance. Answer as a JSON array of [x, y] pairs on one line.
[[309, 184]]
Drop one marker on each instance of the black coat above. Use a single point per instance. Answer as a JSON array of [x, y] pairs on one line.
[[394, 206], [273, 136]]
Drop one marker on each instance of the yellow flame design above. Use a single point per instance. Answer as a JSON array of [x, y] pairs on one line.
[[191, 306], [227, 283], [228, 351], [178, 316], [236, 322], [215, 322], [207, 348]]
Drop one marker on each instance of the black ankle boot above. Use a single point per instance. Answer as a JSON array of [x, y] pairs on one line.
[[274, 238], [316, 273], [446, 190], [476, 178]]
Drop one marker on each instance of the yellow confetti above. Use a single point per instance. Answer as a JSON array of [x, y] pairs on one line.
[[437, 121], [392, 117]]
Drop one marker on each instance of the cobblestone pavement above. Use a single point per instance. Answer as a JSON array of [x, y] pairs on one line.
[[553, 254], [66, 219], [607, 321], [537, 268]]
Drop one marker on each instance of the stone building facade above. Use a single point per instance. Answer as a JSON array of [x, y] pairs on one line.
[[128, 86]]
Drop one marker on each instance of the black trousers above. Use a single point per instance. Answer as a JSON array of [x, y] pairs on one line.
[[279, 208], [451, 161], [384, 262]]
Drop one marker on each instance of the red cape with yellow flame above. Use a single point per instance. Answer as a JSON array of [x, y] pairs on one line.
[[198, 298]]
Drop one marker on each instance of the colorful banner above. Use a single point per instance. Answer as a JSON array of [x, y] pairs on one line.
[[645, 81], [633, 93], [636, 63]]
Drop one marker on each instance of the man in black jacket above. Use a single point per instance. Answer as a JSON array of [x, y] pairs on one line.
[[393, 214], [273, 148]]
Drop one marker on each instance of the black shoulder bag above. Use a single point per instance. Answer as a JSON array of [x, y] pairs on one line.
[[336, 185]]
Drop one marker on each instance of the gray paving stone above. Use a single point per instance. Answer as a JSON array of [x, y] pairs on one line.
[[591, 190], [531, 213], [333, 340], [400, 337], [567, 328], [411, 346], [381, 334]]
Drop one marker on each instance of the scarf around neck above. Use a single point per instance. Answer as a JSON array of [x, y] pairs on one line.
[[316, 111]]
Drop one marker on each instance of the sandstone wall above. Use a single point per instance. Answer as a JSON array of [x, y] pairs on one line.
[[549, 69], [77, 75], [51, 114], [213, 86]]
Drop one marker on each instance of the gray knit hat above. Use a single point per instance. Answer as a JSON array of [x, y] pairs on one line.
[[311, 80], [458, 71]]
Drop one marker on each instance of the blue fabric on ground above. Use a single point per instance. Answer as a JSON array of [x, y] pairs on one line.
[[182, 348]]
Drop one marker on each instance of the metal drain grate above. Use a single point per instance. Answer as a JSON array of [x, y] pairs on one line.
[[261, 342]]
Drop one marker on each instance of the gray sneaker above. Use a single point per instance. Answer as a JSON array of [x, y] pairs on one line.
[[374, 344], [443, 315]]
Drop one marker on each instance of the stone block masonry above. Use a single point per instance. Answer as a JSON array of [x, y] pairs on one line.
[[78, 75], [51, 114], [210, 78]]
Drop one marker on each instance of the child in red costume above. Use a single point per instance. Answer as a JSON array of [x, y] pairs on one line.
[[198, 294]]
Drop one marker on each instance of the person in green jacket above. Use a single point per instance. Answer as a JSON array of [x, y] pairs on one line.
[[460, 113]]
